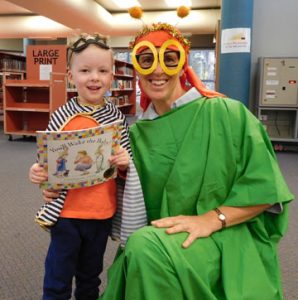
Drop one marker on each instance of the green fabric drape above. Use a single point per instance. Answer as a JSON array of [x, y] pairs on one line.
[[205, 154]]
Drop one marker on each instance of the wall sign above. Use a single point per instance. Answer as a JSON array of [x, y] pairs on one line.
[[235, 40]]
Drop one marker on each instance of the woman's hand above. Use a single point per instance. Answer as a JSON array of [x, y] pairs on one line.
[[120, 159], [196, 226], [49, 195], [37, 174], [204, 225]]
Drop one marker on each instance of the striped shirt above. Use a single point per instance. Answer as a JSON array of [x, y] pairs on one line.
[[102, 114]]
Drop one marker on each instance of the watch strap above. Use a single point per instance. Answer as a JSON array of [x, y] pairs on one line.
[[221, 217]]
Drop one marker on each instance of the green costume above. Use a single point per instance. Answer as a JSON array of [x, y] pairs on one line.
[[202, 155]]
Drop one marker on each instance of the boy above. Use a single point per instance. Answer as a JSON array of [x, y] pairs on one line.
[[79, 237]]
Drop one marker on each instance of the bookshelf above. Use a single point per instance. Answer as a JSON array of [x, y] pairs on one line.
[[124, 87], [12, 66], [12, 62], [28, 104]]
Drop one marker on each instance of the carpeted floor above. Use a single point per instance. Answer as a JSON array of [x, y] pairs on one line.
[[23, 244]]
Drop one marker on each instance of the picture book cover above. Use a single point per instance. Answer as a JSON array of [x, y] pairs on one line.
[[78, 158]]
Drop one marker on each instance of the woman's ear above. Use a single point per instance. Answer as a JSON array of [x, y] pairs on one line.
[[181, 73]]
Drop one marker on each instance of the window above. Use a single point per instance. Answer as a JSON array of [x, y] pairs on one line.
[[203, 63]]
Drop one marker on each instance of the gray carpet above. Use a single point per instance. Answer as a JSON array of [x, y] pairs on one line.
[[23, 244]]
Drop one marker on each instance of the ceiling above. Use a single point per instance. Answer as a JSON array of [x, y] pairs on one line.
[[64, 18]]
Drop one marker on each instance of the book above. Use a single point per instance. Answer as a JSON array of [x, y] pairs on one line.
[[78, 158]]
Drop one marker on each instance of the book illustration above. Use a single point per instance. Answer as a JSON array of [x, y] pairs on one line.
[[78, 158], [99, 158], [61, 169], [83, 162]]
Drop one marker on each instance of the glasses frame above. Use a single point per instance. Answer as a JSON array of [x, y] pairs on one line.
[[158, 57], [74, 48]]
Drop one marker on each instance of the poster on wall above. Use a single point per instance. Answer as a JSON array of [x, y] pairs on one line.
[[235, 40]]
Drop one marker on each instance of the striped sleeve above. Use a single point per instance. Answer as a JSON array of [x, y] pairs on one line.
[[131, 212], [49, 213]]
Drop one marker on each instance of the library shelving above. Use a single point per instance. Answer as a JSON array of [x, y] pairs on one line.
[[12, 62], [7, 75], [29, 103], [12, 66], [124, 87]]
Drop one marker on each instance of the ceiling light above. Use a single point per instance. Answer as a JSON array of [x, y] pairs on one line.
[[177, 3], [126, 4]]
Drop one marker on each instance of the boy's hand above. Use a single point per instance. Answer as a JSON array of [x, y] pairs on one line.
[[120, 159], [37, 174]]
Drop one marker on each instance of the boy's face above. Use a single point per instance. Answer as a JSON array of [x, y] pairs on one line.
[[92, 73]]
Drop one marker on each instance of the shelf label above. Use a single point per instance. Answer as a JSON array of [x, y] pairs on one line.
[[271, 74], [272, 82], [268, 96], [272, 69]]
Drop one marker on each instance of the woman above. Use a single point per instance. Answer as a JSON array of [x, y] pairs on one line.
[[215, 199]]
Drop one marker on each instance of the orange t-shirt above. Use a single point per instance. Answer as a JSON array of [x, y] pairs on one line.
[[94, 202]]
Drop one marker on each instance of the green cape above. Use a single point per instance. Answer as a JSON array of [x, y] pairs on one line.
[[205, 154]]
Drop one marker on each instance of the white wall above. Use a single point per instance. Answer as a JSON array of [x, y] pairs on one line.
[[275, 31], [15, 45], [120, 41]]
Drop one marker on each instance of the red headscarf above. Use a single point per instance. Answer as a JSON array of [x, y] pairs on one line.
[[157, 34]]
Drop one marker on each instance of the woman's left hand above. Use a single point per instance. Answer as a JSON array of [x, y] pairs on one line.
[[196, 226], [204, 225]]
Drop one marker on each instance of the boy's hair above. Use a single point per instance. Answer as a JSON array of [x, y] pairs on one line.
[[83, 41]]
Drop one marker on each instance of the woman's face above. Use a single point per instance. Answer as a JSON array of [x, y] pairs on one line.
[[159, 86]]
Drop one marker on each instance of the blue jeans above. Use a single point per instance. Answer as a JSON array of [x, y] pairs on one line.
[[76, 250]]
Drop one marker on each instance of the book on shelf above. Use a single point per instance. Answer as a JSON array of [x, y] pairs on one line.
[[78, 158], [123, 70], [122, 84], [122, 56], [126, 99], [11, 63], [120, 100]]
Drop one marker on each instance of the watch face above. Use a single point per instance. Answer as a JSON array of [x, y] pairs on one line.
[[221, 217]]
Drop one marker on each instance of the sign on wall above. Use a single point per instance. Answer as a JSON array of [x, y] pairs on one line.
[[235, 40]]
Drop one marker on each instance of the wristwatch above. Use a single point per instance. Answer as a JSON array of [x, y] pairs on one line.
[[221, 217]]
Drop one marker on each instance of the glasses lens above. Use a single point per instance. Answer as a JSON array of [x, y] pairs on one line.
[[145, 60], [79, 45], [171, 58]]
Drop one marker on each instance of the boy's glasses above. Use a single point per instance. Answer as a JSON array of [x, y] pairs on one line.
[[146, 60], [83, 42]]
